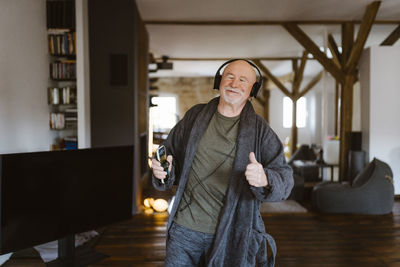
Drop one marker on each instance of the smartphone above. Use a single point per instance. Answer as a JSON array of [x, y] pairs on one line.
[[161, 155]]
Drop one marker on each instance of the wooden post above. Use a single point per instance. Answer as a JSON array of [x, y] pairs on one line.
[[350, 77], [295, 88], [298, 78], [346, 115], [336, 108], [266, 95], [347, 41], [346, 73], [294, 127], [346, 101]]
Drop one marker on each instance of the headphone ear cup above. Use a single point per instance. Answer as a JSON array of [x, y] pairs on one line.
[[217, 81], [255, 89]]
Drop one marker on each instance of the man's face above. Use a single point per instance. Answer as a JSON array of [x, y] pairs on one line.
[[236, 83]]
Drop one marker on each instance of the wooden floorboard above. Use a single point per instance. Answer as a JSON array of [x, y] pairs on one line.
[[306, 239]]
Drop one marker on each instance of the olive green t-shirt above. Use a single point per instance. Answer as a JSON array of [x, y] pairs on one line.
[[209, 176]]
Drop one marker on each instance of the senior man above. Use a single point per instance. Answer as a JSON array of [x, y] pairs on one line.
[[225, 160]]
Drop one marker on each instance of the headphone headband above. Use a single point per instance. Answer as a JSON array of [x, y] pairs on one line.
[[256, 86]]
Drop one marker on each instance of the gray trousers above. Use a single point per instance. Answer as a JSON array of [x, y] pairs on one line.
[[186, 247]]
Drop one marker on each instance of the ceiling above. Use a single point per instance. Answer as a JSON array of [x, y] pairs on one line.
[[249, 41]]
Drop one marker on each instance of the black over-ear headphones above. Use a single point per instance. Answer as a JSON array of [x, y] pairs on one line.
[[256, 86]]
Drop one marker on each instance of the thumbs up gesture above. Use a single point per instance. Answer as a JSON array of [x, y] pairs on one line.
[[255, 174]]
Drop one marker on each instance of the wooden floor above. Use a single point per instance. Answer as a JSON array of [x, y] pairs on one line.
[[309, 239]]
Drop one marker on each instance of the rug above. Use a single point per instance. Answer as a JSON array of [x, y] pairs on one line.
[[287, 206]]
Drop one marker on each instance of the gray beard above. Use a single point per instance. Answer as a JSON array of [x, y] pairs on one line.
[[228, 99]]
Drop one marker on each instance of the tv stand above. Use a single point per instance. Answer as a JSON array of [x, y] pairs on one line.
[[69, 256]]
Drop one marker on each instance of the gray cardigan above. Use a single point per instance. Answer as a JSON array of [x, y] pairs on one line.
[[240, 237]]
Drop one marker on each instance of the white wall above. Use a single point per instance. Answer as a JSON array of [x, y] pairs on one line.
[[380, 109], [356, 125], [24, 123], [83, 73]]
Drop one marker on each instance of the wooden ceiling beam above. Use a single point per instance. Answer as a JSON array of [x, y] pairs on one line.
[[311, 84], [393, 37], [311, 47], [227, 58], [275, 80], [286, 78], [261, 95], [299, 76], [260, 101], [259, 22], [295, 68], [336, 56], [363, 32], [266, 94]]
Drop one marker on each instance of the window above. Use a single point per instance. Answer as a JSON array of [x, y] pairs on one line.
[[163, 115], [301, 112]]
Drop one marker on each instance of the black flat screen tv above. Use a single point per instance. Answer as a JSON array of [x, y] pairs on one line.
[[46, 196]]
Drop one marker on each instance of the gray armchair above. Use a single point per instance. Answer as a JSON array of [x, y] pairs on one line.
[[371, 192]]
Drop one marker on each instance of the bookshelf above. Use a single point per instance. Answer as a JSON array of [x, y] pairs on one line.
[[62, 86]]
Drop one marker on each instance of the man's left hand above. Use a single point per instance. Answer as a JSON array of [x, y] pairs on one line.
[[255, 174]]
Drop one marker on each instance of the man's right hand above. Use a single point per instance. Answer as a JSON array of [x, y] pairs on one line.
[[158, 170]]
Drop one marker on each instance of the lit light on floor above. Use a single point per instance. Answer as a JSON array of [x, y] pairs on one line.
[[159, 205]]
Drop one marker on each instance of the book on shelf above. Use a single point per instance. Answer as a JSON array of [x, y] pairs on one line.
[[53, 96], [62, 43], [72, 43], [64, 95], [71, 139], [70, 142], [71, 114], [71, 117], [69, 95], [67, 143], [51, 46], [68, 147], [57, 121], [63, 70]]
